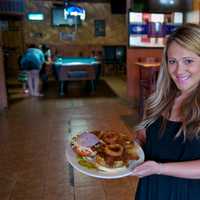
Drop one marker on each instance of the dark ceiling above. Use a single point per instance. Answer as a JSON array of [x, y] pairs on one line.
[[90, 1]]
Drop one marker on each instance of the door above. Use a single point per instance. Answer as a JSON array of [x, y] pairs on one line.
[[13, 46]]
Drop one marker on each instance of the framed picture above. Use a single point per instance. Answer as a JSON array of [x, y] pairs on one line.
[[67, 36], [100, 27]]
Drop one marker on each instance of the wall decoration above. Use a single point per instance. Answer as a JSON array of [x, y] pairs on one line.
[[36, 35], [67, 36], [100, 27], [151, 29]]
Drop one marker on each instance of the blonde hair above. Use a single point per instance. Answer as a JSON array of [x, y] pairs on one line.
[[161, 101]]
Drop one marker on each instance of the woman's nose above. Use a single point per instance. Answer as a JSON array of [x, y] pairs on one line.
[[180, 68]]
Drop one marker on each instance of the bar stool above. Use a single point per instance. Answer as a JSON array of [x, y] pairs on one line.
[[148, 73]]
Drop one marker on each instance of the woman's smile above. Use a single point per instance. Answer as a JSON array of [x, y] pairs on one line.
[[182, 79]]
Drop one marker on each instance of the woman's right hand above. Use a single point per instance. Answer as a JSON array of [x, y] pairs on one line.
[[140, 137]]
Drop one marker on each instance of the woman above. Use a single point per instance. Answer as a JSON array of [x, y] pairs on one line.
[[170, 130], [32, 62]]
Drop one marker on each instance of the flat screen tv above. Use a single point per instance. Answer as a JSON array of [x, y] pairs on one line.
[[169, 5], [58, 18], [164, 6]]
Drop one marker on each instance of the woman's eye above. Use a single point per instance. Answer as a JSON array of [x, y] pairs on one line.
[[188, 61], [171, 62]]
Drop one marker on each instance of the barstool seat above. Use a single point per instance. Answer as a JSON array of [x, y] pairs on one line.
[[148, 73]]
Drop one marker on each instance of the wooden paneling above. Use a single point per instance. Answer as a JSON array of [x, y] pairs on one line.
[[3, 93], [196, 5]]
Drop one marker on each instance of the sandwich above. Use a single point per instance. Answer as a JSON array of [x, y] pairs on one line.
[[84, 144]]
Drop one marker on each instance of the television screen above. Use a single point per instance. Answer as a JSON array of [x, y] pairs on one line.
[[169, 5], [164, 6], [58, 18]]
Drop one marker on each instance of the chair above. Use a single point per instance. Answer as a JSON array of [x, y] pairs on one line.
[[148, 73], [109, 60], [76, 73], [121, 59]]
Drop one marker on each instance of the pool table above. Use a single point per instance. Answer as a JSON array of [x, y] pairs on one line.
[[75, 69]]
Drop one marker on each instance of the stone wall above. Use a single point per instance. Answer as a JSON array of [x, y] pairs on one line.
[[44, 32]]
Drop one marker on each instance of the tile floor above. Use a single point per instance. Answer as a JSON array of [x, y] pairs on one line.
[[33, 133]]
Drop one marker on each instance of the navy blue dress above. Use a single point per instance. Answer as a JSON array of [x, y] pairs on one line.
[[167, 148]]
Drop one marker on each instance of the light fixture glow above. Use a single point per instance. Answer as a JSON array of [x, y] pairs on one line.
[[36, 16], [75, 11], [166, 2]]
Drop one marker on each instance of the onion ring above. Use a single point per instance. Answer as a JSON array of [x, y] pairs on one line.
[[110, 138], [114, 150]]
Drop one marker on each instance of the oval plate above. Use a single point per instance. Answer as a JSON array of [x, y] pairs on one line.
[[74, 161]]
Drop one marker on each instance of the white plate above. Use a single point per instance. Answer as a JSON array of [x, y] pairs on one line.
[[74, 161]]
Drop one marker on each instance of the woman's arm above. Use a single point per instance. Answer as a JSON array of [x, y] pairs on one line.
[[187, 169]]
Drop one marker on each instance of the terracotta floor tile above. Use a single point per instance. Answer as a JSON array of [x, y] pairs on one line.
[[82, 180], [90, 193], [120, 193], [28, 189], [7, 184], [116, 183], [58, 188]]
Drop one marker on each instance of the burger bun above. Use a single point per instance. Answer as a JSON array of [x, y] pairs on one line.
[[101, 165]]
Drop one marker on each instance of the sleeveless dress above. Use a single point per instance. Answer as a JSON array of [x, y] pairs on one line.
[[166, 148]]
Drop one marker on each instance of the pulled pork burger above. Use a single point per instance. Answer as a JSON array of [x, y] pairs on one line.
[[84, 144]]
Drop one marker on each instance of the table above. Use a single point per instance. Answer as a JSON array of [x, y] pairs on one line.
[[148, 73], [155, 65], [76, 69]]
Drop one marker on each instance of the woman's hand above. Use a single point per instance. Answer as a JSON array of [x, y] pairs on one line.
[[140, 137], [147, 168]]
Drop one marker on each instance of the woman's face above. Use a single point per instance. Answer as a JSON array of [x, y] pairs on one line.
[[183, 67]]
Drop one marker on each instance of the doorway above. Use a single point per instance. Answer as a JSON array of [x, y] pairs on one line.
[[13, 46]]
